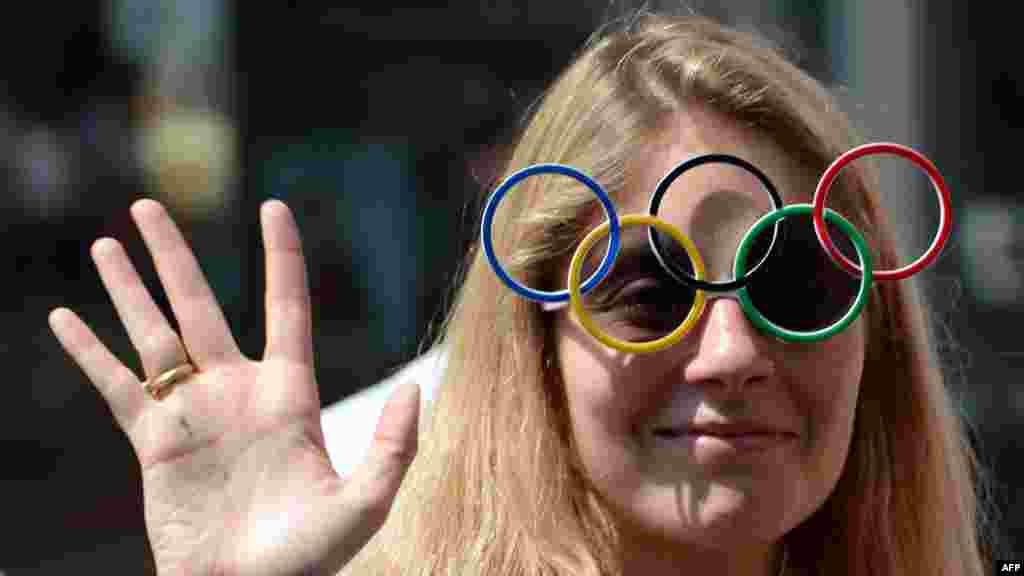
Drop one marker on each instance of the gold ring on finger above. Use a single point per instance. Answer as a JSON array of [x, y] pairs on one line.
[[159, 385]]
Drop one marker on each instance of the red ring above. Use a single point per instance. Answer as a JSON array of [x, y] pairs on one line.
[[945, 211]]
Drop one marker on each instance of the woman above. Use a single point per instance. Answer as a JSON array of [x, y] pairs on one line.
[[548, 452]]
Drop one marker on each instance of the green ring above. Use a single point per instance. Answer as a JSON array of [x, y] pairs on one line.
[[770, 327]]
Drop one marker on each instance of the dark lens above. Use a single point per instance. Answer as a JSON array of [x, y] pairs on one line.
[[801, 289], [674, 254], [638, 301]]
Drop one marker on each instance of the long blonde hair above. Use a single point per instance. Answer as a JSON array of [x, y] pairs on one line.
[[497, 487]]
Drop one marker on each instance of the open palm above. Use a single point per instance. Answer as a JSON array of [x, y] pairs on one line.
[[236, 478]]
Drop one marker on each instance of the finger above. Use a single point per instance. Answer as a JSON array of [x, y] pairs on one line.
[[158, 344], [289, 331], [204, 330], [118, 385], [375, 482]]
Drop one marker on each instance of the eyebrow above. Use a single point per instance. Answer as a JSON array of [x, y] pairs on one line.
[[635, 255], [633, 247]]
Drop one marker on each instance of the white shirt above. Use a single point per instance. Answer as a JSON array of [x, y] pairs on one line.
[[349, 423]]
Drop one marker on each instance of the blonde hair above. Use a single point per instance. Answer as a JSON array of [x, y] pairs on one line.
[[497, 487]]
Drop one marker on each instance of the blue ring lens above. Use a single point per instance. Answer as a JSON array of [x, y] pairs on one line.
[[488, 223]]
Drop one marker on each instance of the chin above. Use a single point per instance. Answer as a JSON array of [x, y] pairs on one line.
[[716, 514]]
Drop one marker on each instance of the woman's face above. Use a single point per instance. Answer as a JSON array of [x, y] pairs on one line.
[[723, 377]]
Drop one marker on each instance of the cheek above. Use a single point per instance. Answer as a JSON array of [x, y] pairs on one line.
[[831, 387], [603, 406], [595, 405]]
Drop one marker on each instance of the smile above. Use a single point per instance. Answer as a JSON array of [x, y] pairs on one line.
[[726, 441]]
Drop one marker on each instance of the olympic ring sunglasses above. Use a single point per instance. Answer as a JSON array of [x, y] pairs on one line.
[[801, 286]]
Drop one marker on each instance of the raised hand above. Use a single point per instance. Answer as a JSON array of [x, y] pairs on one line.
[[236, 478]]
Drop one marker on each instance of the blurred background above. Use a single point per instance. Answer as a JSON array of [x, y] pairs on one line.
[[378, 122]]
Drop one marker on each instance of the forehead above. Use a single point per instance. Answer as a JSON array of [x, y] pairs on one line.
[[699, 130], [713, 204]]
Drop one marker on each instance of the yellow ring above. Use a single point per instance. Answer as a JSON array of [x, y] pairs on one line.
[[584, 317], [159, 384]]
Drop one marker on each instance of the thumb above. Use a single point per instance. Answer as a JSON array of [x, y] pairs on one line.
[[362, 505], [375, 482]]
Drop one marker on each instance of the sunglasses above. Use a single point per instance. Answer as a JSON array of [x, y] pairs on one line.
[[797, 288], [800, 282]]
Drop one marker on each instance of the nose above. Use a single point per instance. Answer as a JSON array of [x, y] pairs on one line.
[[731, 353]]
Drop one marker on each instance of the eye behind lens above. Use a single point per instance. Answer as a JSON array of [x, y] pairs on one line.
[[642, 309]]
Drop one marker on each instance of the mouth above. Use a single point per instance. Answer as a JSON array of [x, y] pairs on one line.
[[683, 432], [721, 427], [724, 431], [714, 442]]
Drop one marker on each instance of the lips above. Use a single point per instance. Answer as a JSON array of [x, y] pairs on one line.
[[724, 430]]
